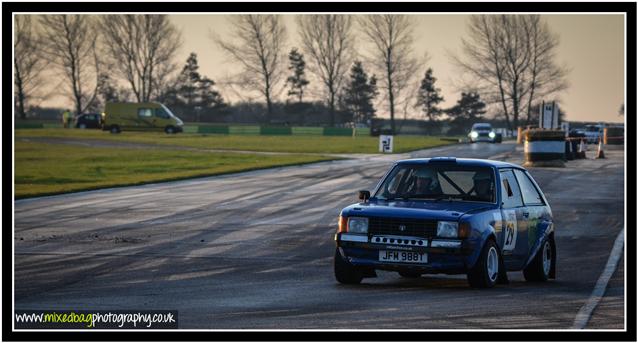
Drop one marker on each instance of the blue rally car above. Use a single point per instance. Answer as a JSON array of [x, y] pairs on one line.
[[448, 215]]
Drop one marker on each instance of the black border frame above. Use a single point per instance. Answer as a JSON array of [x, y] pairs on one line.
[[630, 116]]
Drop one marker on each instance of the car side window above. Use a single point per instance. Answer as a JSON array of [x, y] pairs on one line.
[[145, 112], [530, 193], [510, 193]]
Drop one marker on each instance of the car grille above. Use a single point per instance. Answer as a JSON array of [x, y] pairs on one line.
[[411, 227], [484, 134]]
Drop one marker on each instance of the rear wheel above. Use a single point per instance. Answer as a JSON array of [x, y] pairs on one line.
[[82, 126], [169, 130], [485, 272], [541, 265], [345, 272], [115, 129]]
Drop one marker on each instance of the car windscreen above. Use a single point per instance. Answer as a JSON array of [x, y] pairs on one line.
[[438, 183], [482, 127], [168, 111]]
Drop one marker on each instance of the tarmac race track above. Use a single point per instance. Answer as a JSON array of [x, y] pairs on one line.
[[254, 251]]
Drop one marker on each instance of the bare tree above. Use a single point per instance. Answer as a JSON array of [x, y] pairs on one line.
[[510, 61], [141, 50], [257, 44], [328, 40], [392, 55], [28, 62], [545, 76], [69, 43]]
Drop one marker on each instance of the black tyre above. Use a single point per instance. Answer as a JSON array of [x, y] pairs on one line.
[[539, 269], [115, 129], [410, 275], [82, 126], [169, 130], [484, 274], [345, 272]]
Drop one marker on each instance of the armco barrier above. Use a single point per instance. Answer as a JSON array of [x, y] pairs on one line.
[[311, 131], [243, 130], [337, 131], [544, 148], [218, 129], [275, 130], [190, 128]]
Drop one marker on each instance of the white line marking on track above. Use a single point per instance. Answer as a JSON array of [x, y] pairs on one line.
[[585, 312]]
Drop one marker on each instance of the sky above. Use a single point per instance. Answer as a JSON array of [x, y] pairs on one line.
[[591, 46]]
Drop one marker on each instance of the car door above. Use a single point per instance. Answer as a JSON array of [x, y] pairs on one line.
[[145, 118], [537, 213], [513, 240], [163, 119]]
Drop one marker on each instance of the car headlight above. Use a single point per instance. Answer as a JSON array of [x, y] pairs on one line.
[[492, 134], [473, 134], [357, 225], [447, 229]]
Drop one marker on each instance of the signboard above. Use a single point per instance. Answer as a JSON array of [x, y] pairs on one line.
[[385, 143], [548, 118]]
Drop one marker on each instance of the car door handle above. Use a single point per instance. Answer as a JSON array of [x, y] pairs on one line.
[[526, 214]]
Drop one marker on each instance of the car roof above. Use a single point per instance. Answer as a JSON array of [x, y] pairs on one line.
[[466, 162]]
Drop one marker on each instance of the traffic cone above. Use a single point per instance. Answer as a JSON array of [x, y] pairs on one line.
[[581, 149], [601, 153]]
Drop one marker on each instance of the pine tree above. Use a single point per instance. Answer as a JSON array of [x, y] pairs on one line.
[[298, 79], [194, 93], [468, 110], [359, 94], [429, 96], [468, 107]]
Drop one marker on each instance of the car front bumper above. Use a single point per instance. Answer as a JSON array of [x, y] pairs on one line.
[[446, 256], [483, 139]]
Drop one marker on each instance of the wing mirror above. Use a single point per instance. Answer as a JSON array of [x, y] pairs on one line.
[[364, 195]]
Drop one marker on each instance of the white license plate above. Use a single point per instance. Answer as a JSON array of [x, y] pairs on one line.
[[402, 256]]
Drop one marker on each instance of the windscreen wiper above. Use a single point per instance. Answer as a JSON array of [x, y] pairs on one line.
[[447, 197]]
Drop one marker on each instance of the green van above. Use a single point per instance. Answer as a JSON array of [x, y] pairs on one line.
[[142, 116]]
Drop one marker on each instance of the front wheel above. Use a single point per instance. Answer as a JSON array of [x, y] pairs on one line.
[[540, 267], [169, 130], [485, 272], [345, 272], [115, 129]]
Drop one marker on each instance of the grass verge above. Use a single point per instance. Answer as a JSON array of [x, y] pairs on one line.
[[47, 169], [293, 144]]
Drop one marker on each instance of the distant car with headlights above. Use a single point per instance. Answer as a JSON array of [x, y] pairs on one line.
[[483, 132], [447, 215]]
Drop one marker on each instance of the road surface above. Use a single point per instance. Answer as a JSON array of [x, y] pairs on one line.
[[254, 251]]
